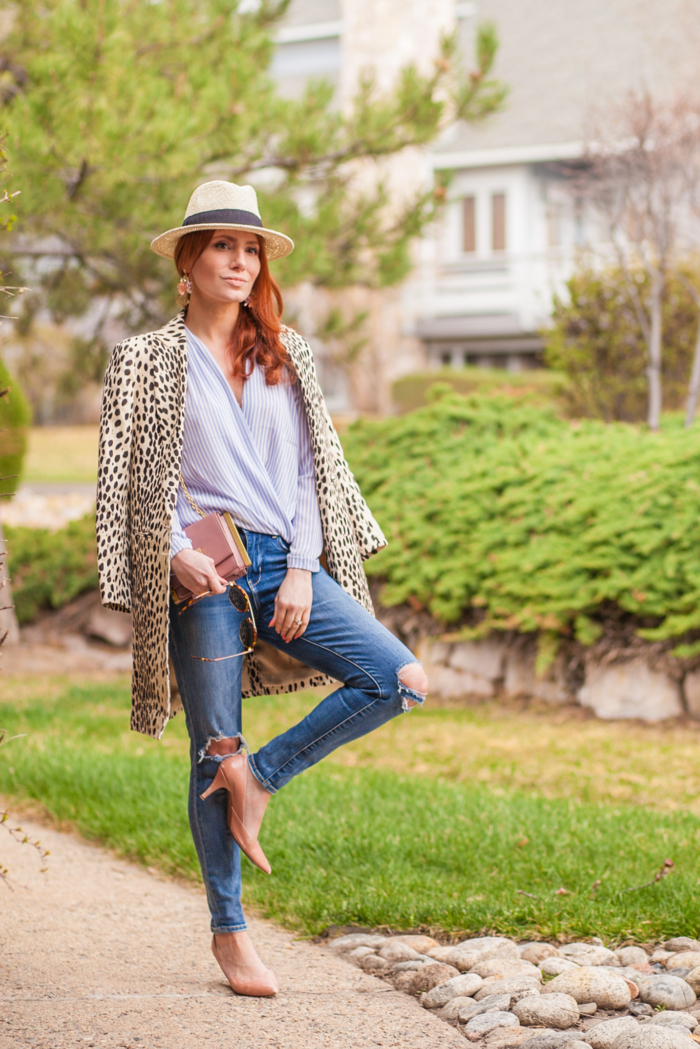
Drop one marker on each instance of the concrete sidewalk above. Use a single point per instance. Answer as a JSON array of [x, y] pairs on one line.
[[99, 952]]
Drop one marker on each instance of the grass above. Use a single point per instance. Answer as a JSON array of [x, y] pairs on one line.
[[441, 850], [536, 385], [61, 453]]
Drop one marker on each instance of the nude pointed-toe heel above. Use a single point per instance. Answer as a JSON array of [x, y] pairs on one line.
[[231, 777], [262, 987]]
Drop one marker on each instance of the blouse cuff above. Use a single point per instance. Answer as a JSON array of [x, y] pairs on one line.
[[308, 564], [179, 542]]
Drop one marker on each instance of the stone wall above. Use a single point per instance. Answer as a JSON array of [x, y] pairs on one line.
[[503, 666]]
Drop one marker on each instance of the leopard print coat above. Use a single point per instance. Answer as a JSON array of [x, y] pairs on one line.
[[141, 430]]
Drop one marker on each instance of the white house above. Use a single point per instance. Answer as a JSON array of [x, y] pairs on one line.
[[484, 278]]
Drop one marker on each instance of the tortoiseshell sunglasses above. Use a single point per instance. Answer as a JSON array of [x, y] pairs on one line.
[[247, 632]]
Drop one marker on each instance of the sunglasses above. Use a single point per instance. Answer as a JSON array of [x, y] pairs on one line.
[[247, 632]]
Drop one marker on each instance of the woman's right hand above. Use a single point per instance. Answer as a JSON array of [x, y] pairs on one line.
[[198, 572]]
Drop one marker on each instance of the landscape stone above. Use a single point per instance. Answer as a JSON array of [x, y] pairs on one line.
[[537, 952], [358, 939], [550, 1039], [521, 678], [684, 960], [439, 953], [422, 944], [604, 1034], [587, 954], [577, 1045], [651, 1036], [466, 954], [632, 956], [682, 943], [505, 1038], [465, 985], [451, 1010], [554, 965], [373, 963], [360, 952], [693, 979], [515, 986], [662, 955], [505, 967], [587, 1008], [480, 1025], [673, 1018], [667, 990], [592, 984], [630, 690], [691, 690], [548, 1010], [640, 1009], [495, 1003], [393, 952], [428, 977], [412, 966]]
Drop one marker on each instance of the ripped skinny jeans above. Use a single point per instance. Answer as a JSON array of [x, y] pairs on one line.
[[342, 640]]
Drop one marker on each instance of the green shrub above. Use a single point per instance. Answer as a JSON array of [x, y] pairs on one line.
[[502, 516], [15, 418], [537, 385], [596, 341], [48, 569]]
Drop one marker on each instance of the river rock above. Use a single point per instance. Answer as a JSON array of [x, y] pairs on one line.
[[451, 1010], [682, 943], [428, 977], [466, 954], [495, 1003], [693, 979], [358, 953], [555, 965], [673, 1018], [550, 1039], [373, 963], [591, 984], [465, 985], [439, 953], [393, 952], [358, 939], [666, 989], [422, 944], [632, 956], [662, 955], [547, 1010], [640, 1008], [505, 967], [604, 1034], [587, 954], [480, 1025], [537, 952], [412, 966], [683, 960], [519, 986], [651, 1036], [587, 1009]]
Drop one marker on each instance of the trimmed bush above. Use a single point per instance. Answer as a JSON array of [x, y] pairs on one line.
[[49, 569], [502, 516], [15, 418]]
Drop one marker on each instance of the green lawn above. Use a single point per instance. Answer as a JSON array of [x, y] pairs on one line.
[[61, 453], [365, 845]]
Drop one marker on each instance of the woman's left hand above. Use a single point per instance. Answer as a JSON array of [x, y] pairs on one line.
[[293, 604]]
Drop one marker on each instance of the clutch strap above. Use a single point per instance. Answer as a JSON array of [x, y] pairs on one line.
[[189, 498]]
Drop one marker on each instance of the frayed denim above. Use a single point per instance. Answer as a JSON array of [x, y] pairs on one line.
[[342, 640]]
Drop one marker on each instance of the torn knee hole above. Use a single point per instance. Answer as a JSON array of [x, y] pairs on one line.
[[413, 685], [221, 746], [414, 677]]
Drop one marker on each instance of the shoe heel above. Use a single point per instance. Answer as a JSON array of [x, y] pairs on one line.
[[218, 783]]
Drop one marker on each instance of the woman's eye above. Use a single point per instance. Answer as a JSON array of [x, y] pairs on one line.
[[221, 244], [253, 251]]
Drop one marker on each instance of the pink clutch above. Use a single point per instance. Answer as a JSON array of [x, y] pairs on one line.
[[216, 536]]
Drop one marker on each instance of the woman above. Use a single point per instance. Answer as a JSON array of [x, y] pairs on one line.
[[220, 411]]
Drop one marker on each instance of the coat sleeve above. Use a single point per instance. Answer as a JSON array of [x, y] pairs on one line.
[[112, 514]]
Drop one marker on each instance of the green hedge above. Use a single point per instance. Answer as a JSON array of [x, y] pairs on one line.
[[501, 515], [49, 569], [15, 418]]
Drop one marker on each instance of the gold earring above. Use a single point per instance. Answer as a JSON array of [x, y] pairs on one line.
[[184, 286]]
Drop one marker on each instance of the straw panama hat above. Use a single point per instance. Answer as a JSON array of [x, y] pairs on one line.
[[223, 205]]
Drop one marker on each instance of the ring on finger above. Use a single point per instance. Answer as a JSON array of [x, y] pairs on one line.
[[298, 621]]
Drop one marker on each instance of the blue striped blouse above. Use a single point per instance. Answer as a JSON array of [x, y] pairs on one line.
[[255, 461]]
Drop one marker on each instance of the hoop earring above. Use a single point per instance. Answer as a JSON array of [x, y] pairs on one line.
[[184, 286]]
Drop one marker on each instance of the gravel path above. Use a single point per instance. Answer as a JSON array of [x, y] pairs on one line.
[[98, 952]]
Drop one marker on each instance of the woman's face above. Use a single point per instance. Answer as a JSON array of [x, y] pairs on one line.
[[228, 267]]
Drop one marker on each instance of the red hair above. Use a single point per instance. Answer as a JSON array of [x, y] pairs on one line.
[[255, 338]]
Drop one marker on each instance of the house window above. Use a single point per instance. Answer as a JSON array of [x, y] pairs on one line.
[[469, 224], [498, 221]]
